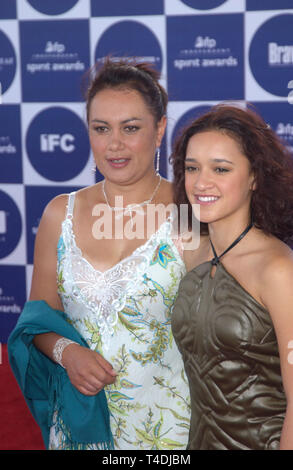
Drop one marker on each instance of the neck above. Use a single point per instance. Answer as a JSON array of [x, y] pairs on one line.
[[222, 234], [132, 193]]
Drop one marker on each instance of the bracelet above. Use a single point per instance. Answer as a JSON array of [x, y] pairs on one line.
[[59, 347]]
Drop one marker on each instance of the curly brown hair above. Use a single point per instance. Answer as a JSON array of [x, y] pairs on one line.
[[270, 160]]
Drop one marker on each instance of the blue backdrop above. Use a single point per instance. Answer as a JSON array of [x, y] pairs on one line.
[[207, 51]]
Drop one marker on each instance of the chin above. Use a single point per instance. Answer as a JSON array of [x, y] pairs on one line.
[[205, 218], [208, 219]]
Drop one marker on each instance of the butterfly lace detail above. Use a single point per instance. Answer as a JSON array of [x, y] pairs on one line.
[[104, 294]]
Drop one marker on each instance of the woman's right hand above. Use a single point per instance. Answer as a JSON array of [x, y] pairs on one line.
[[87, 370]]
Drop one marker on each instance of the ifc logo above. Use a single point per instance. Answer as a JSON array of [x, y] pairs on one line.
[[57, 144]]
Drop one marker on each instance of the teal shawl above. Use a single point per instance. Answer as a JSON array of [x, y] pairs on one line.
[[46, 386]]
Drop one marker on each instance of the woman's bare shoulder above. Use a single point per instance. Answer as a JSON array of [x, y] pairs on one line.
[[278, 261], [275, 277], [52, 217], [274, 266], [55, 209]]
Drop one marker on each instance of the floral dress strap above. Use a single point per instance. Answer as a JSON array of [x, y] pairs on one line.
[[70, 205]]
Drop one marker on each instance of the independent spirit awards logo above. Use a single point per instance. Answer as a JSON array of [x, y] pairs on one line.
[[205, 53], [8, 303], [285, 131], [53, 66], [55, 58], [12, 297], [10, 144], [208, 62]]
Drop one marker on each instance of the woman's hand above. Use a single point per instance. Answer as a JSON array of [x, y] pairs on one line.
[[87, 370]]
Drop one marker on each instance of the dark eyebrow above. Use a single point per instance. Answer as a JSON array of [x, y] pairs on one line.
[[221, 160], [123, 122], [217, 160]]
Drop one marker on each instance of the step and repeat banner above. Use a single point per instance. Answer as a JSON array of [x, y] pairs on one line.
[[207, 51]]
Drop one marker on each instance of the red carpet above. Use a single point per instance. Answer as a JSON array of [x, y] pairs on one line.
[[18, 430]]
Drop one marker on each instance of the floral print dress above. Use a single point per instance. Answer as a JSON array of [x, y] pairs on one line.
[[125, 315]]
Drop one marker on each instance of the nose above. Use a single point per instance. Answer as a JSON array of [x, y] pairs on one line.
[[115, 141], [203, 181]]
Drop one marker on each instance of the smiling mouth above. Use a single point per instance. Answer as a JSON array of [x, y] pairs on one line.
[[118, 162], [206, 199]]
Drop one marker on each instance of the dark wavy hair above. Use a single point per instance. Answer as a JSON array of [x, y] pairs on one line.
[[129, 74], [270, 161]]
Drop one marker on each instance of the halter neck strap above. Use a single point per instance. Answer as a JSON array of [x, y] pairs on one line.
[[216, 258]]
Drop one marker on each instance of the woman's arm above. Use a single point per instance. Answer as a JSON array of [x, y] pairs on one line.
[[277, 295], [88, 371], [44, 279]]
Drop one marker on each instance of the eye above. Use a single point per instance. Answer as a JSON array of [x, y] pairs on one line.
[[221, 170], [100, 129], [191, 169], [131, 129]]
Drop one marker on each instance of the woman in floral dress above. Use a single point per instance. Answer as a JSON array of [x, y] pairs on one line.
[[118, 290]]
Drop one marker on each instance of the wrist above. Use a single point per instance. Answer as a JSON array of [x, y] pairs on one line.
[[58, 350]]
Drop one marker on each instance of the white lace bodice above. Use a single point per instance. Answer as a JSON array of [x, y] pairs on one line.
[[103, 294]]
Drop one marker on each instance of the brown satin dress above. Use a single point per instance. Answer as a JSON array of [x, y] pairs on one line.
[[231, 359]]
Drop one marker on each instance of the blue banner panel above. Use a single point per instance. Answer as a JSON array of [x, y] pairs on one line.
[[54, 64], [12, 297], [8, 9], [57, 144], [205, 53], [53, 7], [186, 119], [127, 39], [271, 54], [10, 224], [37, 197], [268, 4], [7, 62], [127, 7], [279, 115], [10, 145]]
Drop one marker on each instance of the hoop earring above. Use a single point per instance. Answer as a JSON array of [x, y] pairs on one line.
[[158, 161]]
